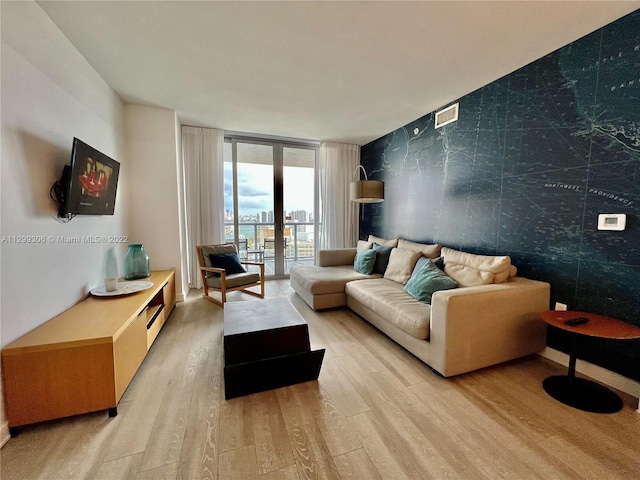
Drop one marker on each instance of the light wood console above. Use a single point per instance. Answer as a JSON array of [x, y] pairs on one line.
[[84, 359]]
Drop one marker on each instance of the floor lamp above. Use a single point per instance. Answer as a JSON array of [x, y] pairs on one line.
[[366, 191]]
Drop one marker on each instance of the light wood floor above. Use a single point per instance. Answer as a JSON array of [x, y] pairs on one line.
[[375, 413]]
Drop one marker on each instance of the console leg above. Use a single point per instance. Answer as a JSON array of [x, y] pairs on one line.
[[14, 431], [113, 412]]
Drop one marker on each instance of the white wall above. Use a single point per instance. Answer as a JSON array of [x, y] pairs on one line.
[[49, 94], [153, 191]]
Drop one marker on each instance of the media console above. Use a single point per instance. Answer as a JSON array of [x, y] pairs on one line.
[[84, 359]]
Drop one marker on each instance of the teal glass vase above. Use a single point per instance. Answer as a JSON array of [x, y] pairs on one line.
[[136, 263]]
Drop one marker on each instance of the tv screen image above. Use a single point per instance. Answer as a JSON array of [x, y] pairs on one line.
[[89, 183]]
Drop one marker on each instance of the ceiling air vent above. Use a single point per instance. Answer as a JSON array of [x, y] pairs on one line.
[[447, 115]]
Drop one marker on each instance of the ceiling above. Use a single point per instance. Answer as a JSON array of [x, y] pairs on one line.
[[330, 71]]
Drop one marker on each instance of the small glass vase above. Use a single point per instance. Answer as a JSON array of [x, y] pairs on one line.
[[136, 263]]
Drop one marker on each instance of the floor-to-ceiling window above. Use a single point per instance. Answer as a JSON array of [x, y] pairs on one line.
[[270, 201]]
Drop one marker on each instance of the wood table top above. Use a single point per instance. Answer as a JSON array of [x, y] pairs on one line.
[[598, 325], [260, 315]]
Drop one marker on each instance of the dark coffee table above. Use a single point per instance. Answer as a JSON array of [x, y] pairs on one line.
[[266, 346]]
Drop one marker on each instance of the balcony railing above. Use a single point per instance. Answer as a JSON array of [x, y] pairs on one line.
[[256, 240]]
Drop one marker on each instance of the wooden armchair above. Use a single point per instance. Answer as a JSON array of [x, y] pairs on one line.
[[218, 280]]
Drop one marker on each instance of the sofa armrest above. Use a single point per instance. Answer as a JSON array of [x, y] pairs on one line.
[[474, 327], [336, 256]]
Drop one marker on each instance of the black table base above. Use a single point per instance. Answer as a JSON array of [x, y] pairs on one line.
[[582, 394]]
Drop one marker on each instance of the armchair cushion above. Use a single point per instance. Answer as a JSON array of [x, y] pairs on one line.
[[229, 261], [215, 249], [234, 280]]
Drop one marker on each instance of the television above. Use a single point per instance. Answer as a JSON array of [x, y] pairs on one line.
[[88, 185]]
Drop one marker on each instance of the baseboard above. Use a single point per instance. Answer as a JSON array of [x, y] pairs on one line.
[[600, 374], [4, 434], [179, 297]]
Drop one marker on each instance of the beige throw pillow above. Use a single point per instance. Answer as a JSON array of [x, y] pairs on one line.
[[429, 251], [382, 242], [499, 266], [467, 276], [362, 245], [401, 263]]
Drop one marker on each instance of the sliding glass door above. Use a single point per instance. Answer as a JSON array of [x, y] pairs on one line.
[[270, 202], [299, 182]]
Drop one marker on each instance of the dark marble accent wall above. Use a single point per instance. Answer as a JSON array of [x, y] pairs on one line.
[[533, 159]]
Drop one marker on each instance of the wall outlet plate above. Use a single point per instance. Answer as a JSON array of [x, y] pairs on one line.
[[561, 306]]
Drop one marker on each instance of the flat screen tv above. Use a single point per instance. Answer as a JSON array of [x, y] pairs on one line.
[[88, 185]]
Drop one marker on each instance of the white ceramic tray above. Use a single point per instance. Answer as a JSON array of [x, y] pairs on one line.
[[123, 288]]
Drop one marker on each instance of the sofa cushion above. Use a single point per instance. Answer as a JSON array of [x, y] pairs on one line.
[[336, 256], [429, 251], [401, 263], [499, 266], [383, 242], [428, 280], [362, 245], [467, 276], [325, 280], [389, 300], [382, 258], [364, 261]]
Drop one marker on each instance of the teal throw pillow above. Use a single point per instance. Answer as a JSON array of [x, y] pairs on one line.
[[229, 261], [428, 280], [364, 261]]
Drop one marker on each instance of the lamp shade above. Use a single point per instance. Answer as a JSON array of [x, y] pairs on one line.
[[367, 191]]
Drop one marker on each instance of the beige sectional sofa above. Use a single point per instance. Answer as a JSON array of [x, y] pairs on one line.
[[491, 317]]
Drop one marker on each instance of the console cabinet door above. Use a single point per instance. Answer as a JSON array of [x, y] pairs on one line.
[[57, 382], [129, 350]]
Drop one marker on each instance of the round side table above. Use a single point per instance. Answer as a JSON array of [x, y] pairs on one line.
[[582, 393]]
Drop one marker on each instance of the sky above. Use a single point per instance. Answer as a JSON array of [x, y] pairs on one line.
[[255, 188]]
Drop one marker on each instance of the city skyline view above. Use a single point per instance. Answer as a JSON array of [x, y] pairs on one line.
[[255, 189]]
